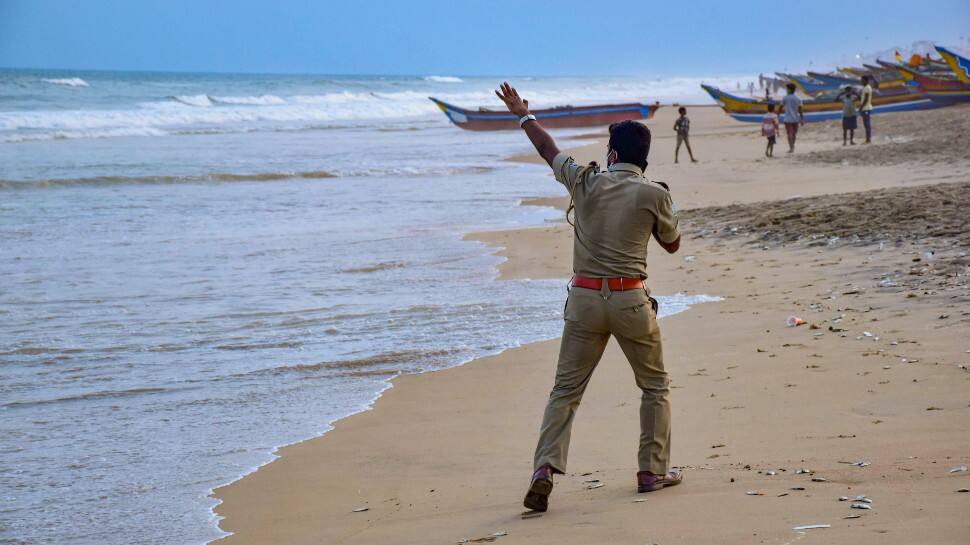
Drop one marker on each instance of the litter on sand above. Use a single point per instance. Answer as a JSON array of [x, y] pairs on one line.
[[852, 516], [861, 506], [803, 471], [963, 489], [361, 509], [819, 480], [811, 527], [861, 463], [755, 493], [863, 499], [797, 488], [959, 469], [640, 500], [688, 258], [486, 539], [794, 321], [595, 485]]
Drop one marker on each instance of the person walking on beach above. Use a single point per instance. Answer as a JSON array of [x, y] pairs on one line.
[[769, 129], [616, 214], [792, 115], [848, 97], [866, 109], [682, 128]]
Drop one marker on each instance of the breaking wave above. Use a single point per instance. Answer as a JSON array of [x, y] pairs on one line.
[[193, 100], [210, 100], [107, 394], [213, 177], [444, 79], [359, 103], [101, 133], [67, 82], [390, 171]]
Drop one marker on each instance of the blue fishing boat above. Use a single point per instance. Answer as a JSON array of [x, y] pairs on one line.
[[753, 110]]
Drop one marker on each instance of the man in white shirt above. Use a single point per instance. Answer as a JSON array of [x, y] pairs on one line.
[[866, 110]]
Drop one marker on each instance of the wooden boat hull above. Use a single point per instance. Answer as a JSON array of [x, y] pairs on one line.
[[553, 118], [807, 85], [834, 82], [928, 83], [885, 78], [960, 66], [751, 110]]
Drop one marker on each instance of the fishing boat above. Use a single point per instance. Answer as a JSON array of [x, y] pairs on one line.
[[937, 69], [833, 80], [960, 66], [806, 84], [927, 83], [883, 78], [552, 118], [748, 109]]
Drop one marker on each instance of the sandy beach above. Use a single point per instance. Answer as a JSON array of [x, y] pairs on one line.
[[772, 424]]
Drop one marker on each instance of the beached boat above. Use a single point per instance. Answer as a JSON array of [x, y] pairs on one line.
[[886, 78], [933, 70], [806, 84], [833, 80], [929, 83], [960, 66], [748, 109], [553, 118]]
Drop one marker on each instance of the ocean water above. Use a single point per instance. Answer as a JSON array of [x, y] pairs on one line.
[[198, 269]]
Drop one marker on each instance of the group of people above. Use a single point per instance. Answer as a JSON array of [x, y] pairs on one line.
[[793, 116]]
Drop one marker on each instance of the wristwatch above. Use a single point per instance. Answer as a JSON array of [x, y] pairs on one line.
[[525, 118]]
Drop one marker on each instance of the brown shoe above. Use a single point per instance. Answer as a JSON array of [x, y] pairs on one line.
[[537, 498], [648, 482]]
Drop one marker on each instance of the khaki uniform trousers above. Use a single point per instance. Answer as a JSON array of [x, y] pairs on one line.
[[591, 316]]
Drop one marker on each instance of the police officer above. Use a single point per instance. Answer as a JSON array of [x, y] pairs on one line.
[[616, 214]]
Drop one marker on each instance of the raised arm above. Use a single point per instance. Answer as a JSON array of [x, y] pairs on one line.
[[542, 141]]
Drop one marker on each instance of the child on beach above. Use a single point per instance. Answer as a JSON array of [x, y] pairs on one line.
[[848, 97], [682, 127], [769, 129]]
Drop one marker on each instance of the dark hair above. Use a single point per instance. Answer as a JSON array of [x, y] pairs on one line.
[[631, 142], [771, 107], [682, 110], [865, 79], [790, 87]]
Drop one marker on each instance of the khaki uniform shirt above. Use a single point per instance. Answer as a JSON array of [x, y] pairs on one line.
[[616, 213]]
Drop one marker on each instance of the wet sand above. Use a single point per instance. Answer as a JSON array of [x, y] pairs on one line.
[[878, 377]]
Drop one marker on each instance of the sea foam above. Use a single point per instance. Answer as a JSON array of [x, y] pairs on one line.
[[67, 82], [443, 79]]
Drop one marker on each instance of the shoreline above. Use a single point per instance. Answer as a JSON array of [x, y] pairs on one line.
[[350, 443], [390, 383]]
